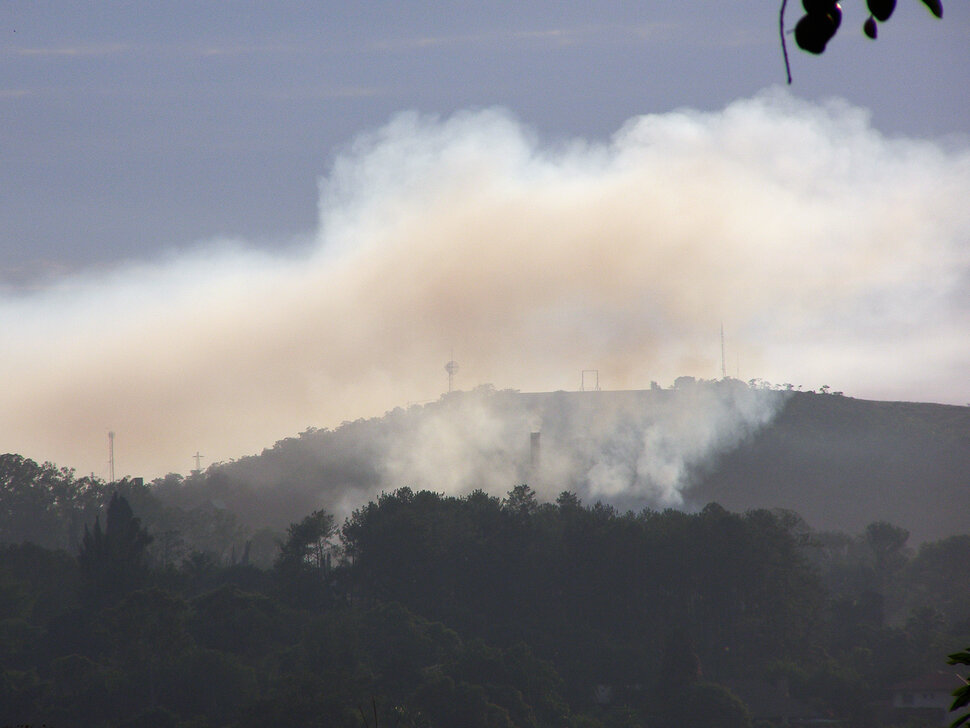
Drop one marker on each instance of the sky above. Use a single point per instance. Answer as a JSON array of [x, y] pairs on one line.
[[223, 223]]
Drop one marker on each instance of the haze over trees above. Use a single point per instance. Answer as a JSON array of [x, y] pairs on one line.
[[839, 462], [422, 608]]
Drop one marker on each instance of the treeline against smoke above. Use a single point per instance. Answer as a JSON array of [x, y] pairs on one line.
[[641, 448], [840, 462], [430, 610]]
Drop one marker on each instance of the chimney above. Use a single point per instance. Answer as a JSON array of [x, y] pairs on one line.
[[534, 451]]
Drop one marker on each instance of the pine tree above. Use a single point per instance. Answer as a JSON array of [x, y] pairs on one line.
[[114, 560]]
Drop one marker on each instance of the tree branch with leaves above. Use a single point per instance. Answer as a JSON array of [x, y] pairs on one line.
[[823, 18], [961, 696]]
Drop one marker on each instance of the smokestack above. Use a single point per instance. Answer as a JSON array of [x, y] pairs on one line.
[[534, 451]]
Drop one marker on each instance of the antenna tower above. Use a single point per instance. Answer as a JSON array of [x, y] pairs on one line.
[[596, 379], [198, 461], [111, 456]]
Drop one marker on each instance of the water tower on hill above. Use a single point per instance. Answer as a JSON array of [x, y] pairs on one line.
[[452, 368]]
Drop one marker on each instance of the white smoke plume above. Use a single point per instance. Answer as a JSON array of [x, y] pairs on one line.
[[641, 447], [831, 253]]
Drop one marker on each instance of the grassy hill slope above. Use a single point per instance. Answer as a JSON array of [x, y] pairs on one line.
[[843, 463]]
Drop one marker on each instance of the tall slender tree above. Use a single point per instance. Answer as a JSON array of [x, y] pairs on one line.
[[114, 561]]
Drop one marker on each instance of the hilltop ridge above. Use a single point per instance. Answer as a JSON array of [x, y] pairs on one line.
[[840, 462]]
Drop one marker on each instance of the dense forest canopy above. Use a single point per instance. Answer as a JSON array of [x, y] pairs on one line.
[[295, 588], [426, 609]]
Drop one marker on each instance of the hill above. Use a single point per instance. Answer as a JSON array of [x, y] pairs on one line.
[[839, 462], [842, 463]]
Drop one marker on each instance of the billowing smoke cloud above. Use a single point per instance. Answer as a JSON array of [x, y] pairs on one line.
[[832, 254]]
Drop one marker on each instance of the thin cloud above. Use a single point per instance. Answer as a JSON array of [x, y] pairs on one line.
[[326, 92], [77, 51], [740, 38], [430, 41], [230, 50], [592, 34]]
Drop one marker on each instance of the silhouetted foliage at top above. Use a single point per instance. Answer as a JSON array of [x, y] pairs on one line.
[[961, 696], [823, 18], [45, 504]]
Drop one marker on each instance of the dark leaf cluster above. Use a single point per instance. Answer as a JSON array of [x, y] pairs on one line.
[[822, 20]]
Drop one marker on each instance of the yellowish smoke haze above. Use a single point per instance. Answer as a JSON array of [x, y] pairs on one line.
[[832, 254]]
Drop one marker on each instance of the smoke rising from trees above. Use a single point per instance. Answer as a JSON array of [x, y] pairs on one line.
[[643, 449], [832, 254]]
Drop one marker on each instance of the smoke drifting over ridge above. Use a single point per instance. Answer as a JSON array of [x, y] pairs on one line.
[[642, 447], [831, 253], [633, 449]]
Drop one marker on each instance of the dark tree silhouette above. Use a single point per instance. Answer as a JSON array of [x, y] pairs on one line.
[[114, 560], [521, 502], [305, 559]]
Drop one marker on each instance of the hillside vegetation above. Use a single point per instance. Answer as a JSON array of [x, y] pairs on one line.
[[430, 611], [748, 549], [839, 462]]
